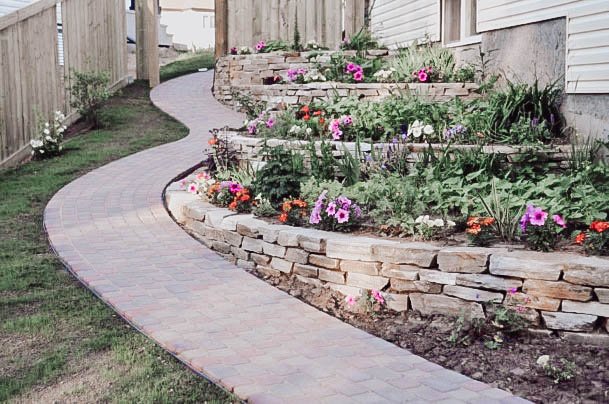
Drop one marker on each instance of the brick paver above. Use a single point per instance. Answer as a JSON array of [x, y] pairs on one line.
[[112, 231]]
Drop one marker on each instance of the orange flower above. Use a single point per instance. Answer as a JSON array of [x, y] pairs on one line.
[[487, 221], [299, 203], [322, 121], [316, 113], [244, 198], [283, 217], [599, 226], [472, 220], [287, 206], [580, 238], [233, 205], [474, 229], [213, 141]]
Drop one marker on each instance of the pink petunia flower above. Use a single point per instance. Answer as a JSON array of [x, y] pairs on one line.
[[559, 220], [376, 295], [337, 134], [192, 188], [260, 46], [342, 216], [270, 123], [350, 300], [538, 217], [331, 209], [235, 187], [315, 217], [351, 67], [358, 76], [422, 76]]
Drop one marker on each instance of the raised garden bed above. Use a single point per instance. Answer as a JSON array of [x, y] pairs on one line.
[[568, 293]]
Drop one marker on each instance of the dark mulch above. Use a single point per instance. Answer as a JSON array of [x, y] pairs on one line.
[[512, 367]]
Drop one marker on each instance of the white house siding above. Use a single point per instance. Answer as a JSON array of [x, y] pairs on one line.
[[8, 6], [587, 69], [399, 22]]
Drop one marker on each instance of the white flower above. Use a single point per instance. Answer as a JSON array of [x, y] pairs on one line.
[[308, 131], [422, 219], [428, 129], [48, 138], [450, 223], [46, 125], [60, 148], [36, 143], [46, 132], [41, 151], [543, 360], [437, 223], [295, 129]]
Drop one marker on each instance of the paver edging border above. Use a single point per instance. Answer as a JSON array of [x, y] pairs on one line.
[[562, 292]]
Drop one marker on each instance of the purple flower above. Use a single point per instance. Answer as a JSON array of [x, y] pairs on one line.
[[344, 202], [534, 122], [358, 76], [538, 217], [357, 211], [315, 216], [395, 140], [260, 46], [331, 209], [524, 220], [342, 216], [559, 220], [270, 123], [512, 291], [347, 120], [235, 187], [351, 67]]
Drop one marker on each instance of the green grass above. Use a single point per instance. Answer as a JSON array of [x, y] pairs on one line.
[[203, 59], [49, 324]]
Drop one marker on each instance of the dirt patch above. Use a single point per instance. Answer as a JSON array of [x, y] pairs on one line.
[[84, 384], [512, 367]]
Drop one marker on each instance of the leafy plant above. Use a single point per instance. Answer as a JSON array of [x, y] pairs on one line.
[[505, 209], [49, 139], [263, 207], [89, 91], [541, 232], [361, 41], [322, 162], [248, 105], [561, 370], [221, 157], [296, 44], [281, 176], [349, 165]]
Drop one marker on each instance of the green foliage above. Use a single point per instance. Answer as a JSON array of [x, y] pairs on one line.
[[248, 105], [361, 41], [349, 165], [89, 91], [322, 161], [296, 44], [560, 371], [264, 208], [418, 56], [313, 187], [281, 176], [505, 208]]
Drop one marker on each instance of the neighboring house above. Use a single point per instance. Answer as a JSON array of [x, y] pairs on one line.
[[191, 22], [565, 40], [8, 6]]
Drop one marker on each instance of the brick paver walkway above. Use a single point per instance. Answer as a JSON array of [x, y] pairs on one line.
[[112, 231]]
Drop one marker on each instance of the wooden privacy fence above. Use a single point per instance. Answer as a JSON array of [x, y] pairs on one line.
[[39, 45], [245, 22]]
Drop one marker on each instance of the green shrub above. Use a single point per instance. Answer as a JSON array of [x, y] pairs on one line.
[[281, 176], [89, 91]]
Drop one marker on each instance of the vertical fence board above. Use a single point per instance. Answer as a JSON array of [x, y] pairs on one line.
[[32, 83], [323, 20]]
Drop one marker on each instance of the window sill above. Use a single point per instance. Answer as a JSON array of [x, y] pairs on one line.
[[464, 42]]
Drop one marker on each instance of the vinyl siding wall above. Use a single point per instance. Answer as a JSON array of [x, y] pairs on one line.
[[399, 22]]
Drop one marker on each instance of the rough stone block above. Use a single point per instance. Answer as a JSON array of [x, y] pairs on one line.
[[346, 290], [230, 222], [602, 295], [288, 238], [534, 302], [260, 259], [444, 278], [214, 217], [331, 276], [176, 200], [475, 295], [463, 259], [568, 321], [267, 271], [297, 255], [420, 254], [366, 281], [232, 238], [558, 290], [305, 270], [239, 253], [249, 227], [488, 282], [324, 262], [315, 243], [440, 304], [282, 265], [527, 265], [196, 210], [590, 271], [600, 340], [273, 250], [310, 281], [245, 264], [350, 248], [252, 244], [405, 272], [401, 285], [270, 232], [361, 267], [593, 308], [396, 301], [219, 246]]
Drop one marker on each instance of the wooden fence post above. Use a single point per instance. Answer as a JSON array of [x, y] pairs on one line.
[[221, 23], [147, 41]]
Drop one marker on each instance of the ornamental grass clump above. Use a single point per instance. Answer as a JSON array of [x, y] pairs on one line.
[[596, 239], [540, 231], [335, 214]]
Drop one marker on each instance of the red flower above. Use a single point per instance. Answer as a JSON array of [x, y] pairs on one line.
[[213, 141], [244, 198], [283, 217], [599, 226], [306, 117], [316, 113], [305, 109], [580, 238], [322, 121], [233, 205]]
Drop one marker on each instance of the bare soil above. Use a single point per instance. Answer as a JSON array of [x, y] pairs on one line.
[[512, 367]]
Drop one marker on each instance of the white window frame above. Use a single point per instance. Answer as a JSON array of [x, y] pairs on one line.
[[467, 21]]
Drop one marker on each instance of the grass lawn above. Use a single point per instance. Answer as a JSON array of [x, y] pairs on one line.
[[189, 65], [59, 342]]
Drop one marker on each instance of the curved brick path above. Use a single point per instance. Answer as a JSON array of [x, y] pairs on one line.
[[112, 231]]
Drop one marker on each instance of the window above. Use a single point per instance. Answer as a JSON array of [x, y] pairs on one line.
[[459, 22]]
